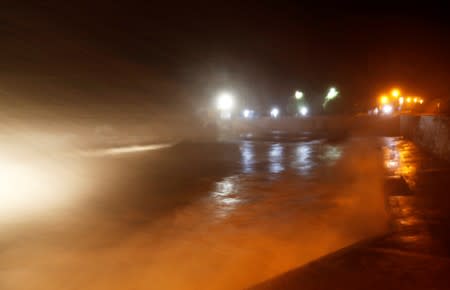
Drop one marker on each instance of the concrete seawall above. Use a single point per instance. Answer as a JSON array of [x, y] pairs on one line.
[[363, 125], [430, 132]]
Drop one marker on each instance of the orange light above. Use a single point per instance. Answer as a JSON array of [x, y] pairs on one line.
[[384, 99], [408, 99], [421, 101], [415, 100], [401, 100], [395, 93]]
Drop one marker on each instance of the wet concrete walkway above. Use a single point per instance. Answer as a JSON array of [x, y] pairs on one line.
[[414, 254]]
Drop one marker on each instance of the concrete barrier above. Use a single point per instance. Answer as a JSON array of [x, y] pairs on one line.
[[355, 125], [290, 124], [431, 132]]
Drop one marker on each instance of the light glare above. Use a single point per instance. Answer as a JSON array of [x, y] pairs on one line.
[[225, 101], [384, 99], [274, 112], [247, 113], [387, 109], [127, 149], [30, 186], [395, 93], [332, 94], [303, 111]]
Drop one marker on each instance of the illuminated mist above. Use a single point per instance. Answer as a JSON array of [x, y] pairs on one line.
[[244, 228]]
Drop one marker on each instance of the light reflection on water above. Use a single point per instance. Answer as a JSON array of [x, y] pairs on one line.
[[301, 157], [400, 159], [270, 162], [226, 196], [391, 156], [303, 161], [276, 158], [331, 154], [247, 152], [416, 217], [272, 204]]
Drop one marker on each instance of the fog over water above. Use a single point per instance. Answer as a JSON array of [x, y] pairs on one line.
[[192, 215]]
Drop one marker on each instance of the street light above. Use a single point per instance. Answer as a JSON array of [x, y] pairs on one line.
[[225, 101], [384, 99], [274, 112], [248, 114], [395, 93], [303, 111], [298, 95], [332, 94], [387, 109]]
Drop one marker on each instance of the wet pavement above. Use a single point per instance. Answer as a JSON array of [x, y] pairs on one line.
[[415, 251], [229, 216]]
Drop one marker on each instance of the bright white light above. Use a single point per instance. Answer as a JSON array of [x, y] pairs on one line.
[[274, 112], [303, 111], [387, 109], [225, 101], [375, 111], [247, 113], [298, 95], [332, 93], [29, 186]]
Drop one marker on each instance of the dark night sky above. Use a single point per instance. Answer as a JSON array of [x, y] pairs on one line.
[[139, 57]]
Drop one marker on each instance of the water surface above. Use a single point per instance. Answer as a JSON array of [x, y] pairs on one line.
[[200, 216]]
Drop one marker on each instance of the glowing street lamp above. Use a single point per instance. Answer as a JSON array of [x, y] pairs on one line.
[[225, 101], [384, 99], [387, 109], [248, 114], [274, 112], [303, 111], [395, 93], [298, 95], [332, 94], [401, 100]]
